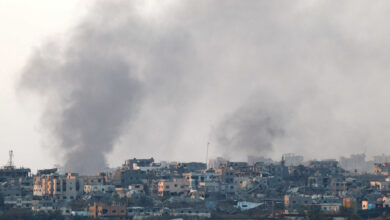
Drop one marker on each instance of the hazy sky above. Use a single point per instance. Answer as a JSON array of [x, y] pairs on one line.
[[26, 25], [251, 77]]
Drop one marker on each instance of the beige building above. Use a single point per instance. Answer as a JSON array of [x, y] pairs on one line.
[[62, 187], [380, 185], [112, 211], [173, 187]]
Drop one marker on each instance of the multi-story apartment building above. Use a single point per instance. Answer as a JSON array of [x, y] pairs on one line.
[[62, 187], [173, 187]]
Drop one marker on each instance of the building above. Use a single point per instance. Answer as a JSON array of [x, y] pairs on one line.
[[103, 210], [11, 172], [382, 169], [135, 164], [355, 163], [292, 159], [100, 179], [173, 187], [293, 202], [99, 188], [126, 177], [62, 187], [380, 185]]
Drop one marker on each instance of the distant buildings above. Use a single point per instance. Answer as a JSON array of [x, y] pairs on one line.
[[142, 188], [293, 159], [382, 169]]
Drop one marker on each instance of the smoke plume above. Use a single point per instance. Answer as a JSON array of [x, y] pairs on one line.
[[252, 129], [152, 78]]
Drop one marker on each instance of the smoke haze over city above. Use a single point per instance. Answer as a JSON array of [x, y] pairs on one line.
[[164, 78]]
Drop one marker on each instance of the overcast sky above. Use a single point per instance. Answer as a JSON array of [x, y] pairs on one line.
[[251, 77]]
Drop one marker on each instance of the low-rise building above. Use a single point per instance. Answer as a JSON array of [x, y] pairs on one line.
[[99, 188], [103, 210], [173, 187]]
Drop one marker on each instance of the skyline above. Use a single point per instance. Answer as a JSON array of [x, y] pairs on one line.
[[360, 162]]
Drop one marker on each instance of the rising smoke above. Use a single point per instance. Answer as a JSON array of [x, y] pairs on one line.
[[252, 129], [152, 78]]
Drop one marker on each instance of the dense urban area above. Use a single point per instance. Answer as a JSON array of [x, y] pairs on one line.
[[292, 188]]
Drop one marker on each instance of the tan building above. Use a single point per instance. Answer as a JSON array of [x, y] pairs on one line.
[[101, 210], [173, 187], [63, 187], [349, 203]]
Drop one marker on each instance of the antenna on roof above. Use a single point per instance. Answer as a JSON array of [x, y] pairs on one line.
[[207, 155], [11, 155]]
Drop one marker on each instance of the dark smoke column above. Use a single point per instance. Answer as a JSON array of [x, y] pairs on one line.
[[90, 95], [252, 129]]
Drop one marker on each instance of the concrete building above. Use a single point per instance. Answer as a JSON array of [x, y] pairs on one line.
[[380, 185], [99, 179], [107, 211], [191, 213], [330, 208], [292, 159], [126, 177], [137, 188], [381, 158], [62, 187], [99, 188], [173, 187], [355, 163], [293, 202], [382, 169], [136, 164]]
